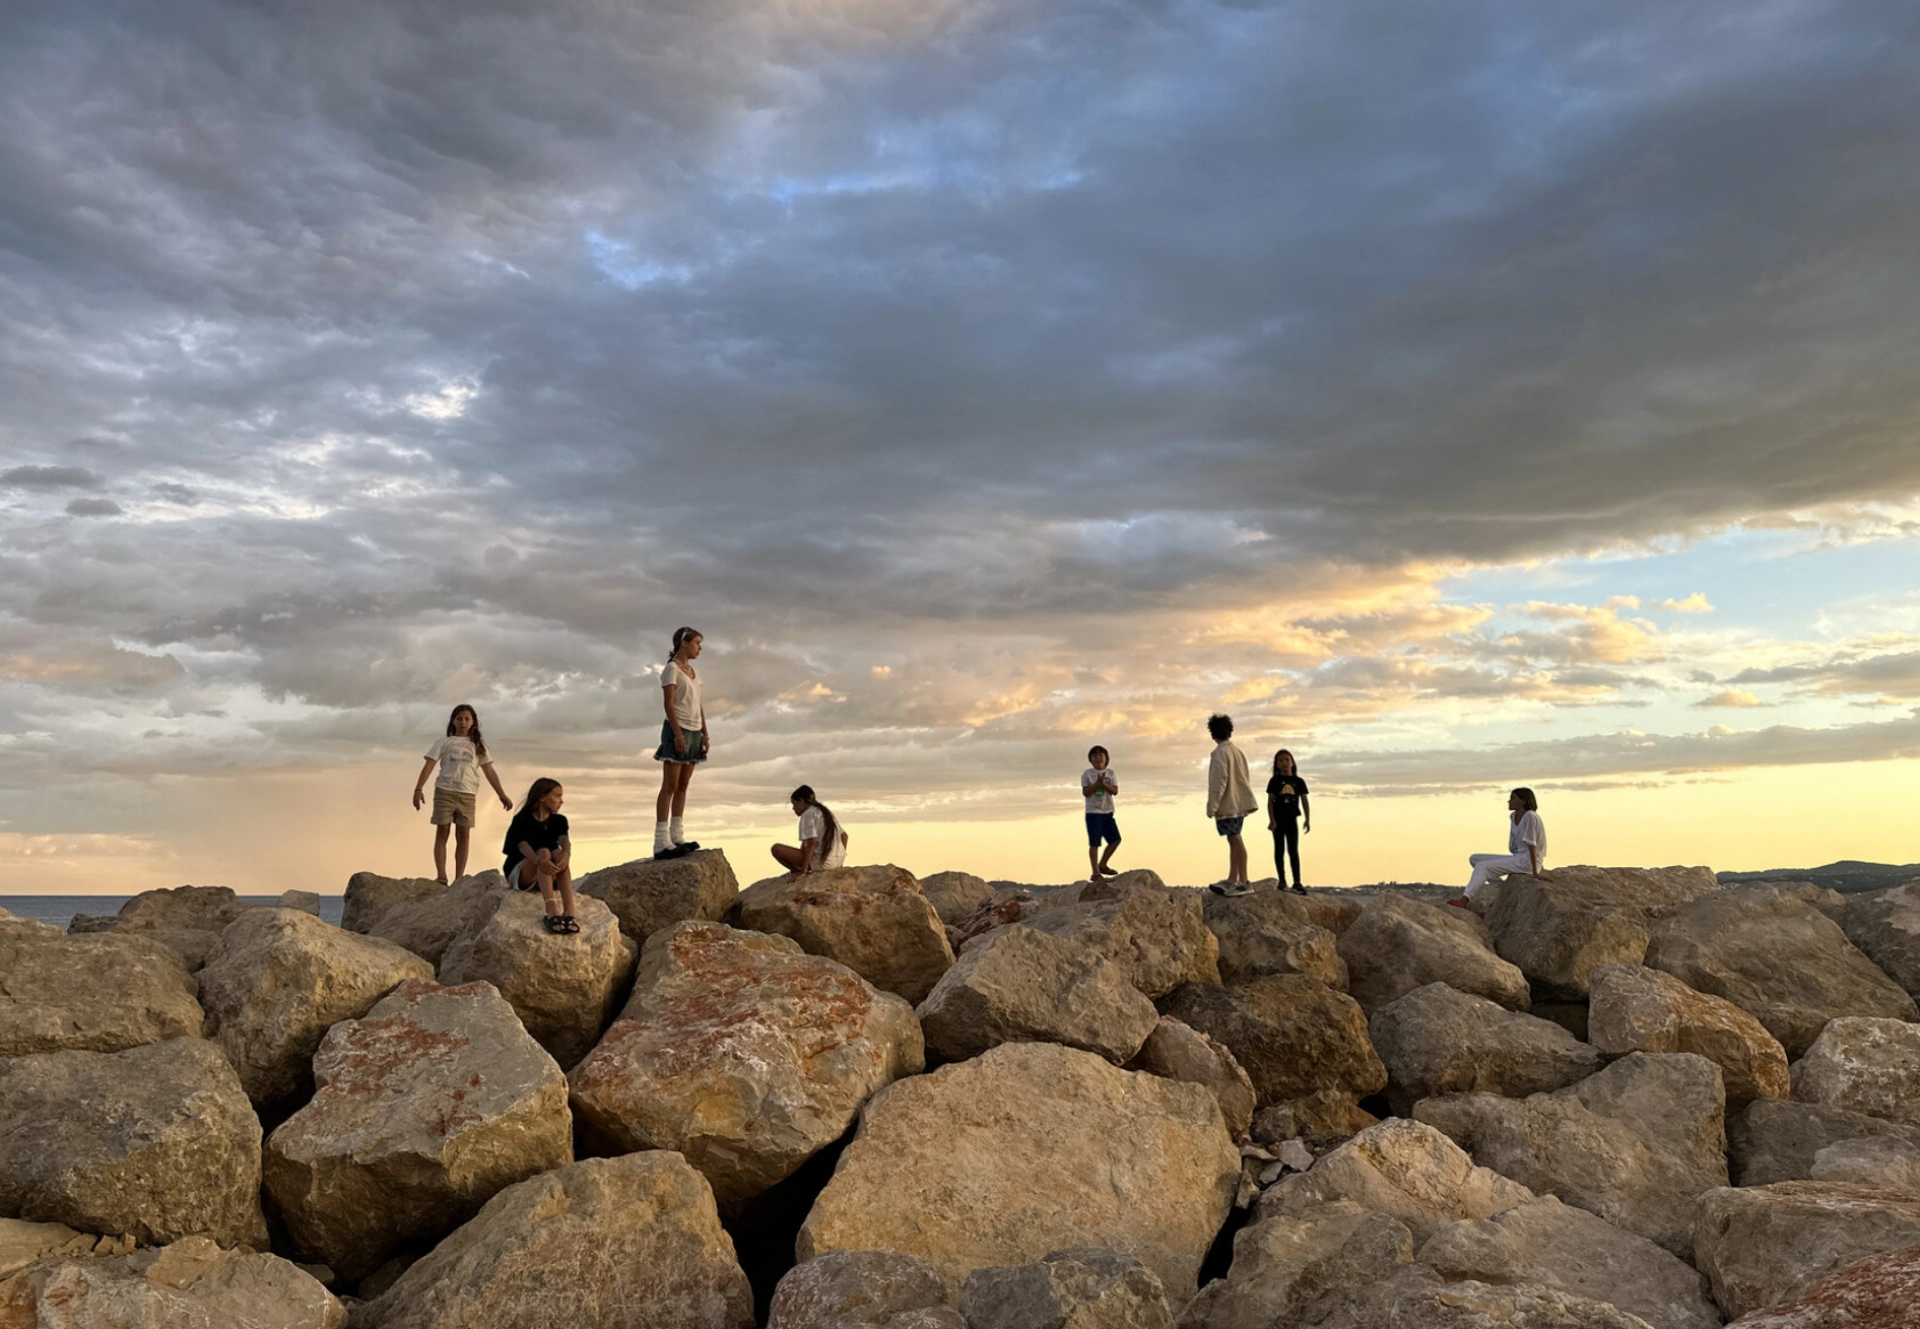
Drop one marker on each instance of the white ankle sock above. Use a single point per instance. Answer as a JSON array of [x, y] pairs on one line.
[[676, 832], [660, 840]]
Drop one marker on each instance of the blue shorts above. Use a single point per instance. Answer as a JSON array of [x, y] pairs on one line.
[[1102, 826], [667, 751], [1229, 825]]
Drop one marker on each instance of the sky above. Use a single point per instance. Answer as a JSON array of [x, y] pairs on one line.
[[1459, 396]]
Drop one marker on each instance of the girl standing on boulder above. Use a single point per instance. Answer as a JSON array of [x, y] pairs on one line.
[[823, 840], [539, 853], [1526, 847], [1286, 801], [463, 759], [683, 744]]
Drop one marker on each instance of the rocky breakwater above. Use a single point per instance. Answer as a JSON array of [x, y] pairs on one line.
[[1623, 1099]]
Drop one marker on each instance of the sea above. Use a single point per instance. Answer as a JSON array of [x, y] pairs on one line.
[[60, 909]]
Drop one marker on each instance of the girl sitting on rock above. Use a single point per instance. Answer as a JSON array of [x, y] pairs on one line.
[[818, 827], [539, 854], [463, 759], [1526, 847]]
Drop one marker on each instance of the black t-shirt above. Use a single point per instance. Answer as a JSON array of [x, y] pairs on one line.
[[1286, 791], [540, 834]]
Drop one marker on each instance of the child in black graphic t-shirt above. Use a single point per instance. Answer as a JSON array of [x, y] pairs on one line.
[[1286, 804]]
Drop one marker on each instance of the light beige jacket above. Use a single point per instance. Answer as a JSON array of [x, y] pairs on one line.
[[1229, 786]]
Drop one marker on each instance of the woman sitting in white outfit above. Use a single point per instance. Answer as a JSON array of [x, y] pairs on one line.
[[1526, 847], [823, 840]]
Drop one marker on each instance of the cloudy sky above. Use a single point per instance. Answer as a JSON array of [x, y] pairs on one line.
[[1459, 395]]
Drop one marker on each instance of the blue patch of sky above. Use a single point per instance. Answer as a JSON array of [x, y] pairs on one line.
[[1766, 582]]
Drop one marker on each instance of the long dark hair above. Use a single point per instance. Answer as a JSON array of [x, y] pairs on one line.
[[540, 788], [479, 743], [1289, 756], [830, 836], [680, 636]]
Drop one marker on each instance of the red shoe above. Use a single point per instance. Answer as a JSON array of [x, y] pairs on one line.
[[1458, 902]]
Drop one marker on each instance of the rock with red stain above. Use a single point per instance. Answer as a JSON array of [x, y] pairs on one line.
[[426, 1108], [278, 980], [192, 1284], [606, 1243], [1031, 1148], [1879, 1292], [1763, 1245], [742, 1052], [563, 987], [874, 920]]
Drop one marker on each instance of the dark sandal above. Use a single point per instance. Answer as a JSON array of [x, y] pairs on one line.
[[569, 924], [555, 924]]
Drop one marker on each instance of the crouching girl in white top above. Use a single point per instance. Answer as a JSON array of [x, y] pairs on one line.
[[823, 840], [1526, 847]]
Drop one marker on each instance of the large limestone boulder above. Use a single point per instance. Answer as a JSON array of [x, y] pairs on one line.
[[743, 1053], [1031, 1148], [426, 1108], [1554, 1245], [863, 1290], [1560, 931], [1878, 1292], [956, 896], [606, 1243], [874, 920], [1865, 1065], [1307, 1267], [189, 919], [564, 988], [1269, 932], [191, 1284], [278, 980], [1774, 1140], [1438, 1040], [1021, 985], [416, 912], [1403, 1169], [649, 895], [1084, 1289], [1636, 1009], [157, 1141], [1776, 957], [1175, 1052], [1521, 1306], [1885, 1161], [1159, 937], [1885, 925], [1294, 1037], [1761, 1245], [1637, 1143], [1399, 944], [135, 991]]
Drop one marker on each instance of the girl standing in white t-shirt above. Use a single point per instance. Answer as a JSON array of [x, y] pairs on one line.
[[683, 744], [462, 756], [823, 840], [1526, 847]]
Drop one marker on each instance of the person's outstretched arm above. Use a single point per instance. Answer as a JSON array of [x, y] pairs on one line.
[[494, 780], [420, 785]]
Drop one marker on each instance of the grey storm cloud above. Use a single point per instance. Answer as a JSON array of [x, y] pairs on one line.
[[487, 342]]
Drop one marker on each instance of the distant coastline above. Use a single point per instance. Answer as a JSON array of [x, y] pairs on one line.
[[60, 909]]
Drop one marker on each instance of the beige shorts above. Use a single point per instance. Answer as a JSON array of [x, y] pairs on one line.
[[452, 809]]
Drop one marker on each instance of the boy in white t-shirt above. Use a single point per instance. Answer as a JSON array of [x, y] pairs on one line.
[[462, 758], [1098, 785]]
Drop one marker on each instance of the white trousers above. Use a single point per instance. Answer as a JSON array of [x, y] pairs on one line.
[[1488, 866]]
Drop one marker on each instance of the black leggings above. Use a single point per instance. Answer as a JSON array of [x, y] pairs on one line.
[[1286, 845]]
